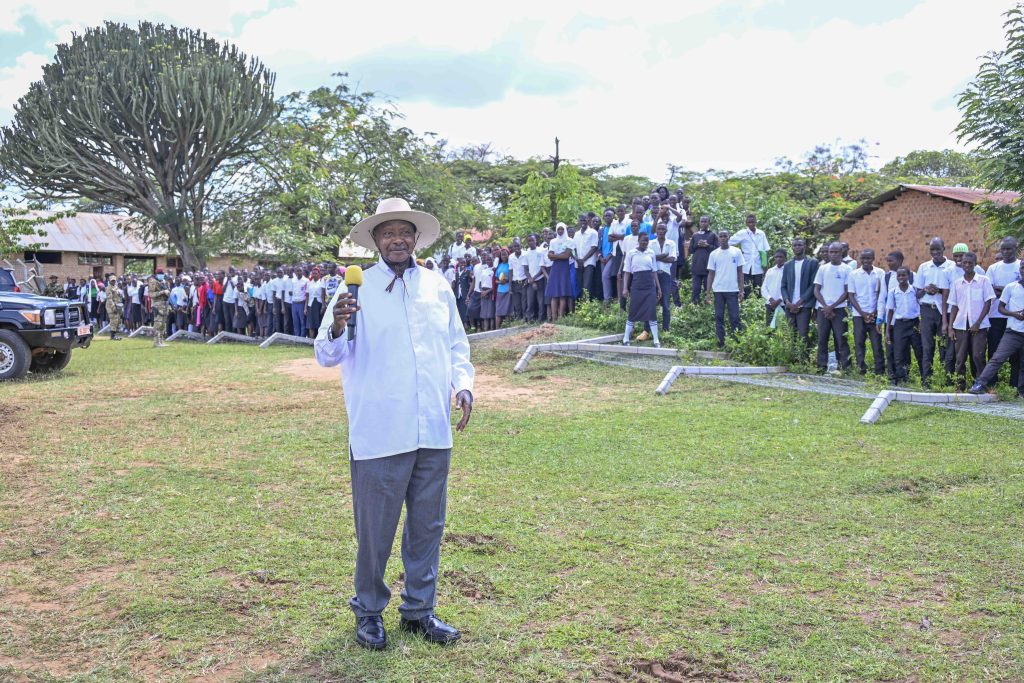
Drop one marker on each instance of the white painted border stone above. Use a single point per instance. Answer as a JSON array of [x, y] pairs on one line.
[[231, 336], [282, 338], [887, 396], [186, 335], [145, 330], [104, 330], [502, 332], [597, 344], [715, 370]]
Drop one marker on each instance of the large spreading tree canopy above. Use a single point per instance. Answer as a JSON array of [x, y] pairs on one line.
[[139, 118], [993, 118]]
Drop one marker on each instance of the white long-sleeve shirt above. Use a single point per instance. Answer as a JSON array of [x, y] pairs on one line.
[[409, 357], [751, 244]]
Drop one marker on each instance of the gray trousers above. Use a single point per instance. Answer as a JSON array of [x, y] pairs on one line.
[[380, 486]]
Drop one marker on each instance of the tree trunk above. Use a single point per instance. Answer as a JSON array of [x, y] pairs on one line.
[[190, 258]]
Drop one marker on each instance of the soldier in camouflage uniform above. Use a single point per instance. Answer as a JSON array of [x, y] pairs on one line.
[[114, 306], [53, 288], [159, 293]]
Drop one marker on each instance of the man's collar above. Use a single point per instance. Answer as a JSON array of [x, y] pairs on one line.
[[382, 262]]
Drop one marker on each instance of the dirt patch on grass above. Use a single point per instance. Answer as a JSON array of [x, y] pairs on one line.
[[536, 335], [684, 668], [472, 586], [481, 544]]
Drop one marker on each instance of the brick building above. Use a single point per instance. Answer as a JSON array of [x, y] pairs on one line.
[[94, 245], [909, 216]]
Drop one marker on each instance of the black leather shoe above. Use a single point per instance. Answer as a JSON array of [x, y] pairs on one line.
[[976, 388], [370, 633], [432, 628]]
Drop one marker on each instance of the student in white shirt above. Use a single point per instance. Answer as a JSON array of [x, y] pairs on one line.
[[665, 252], [863, 289], [725, 282], [587, 251], [771, 288], [972, 296], [641, 287], [903, 312], [535, 258], [1001, 274], [751, 242], [1011, 345], [933, 280], [830, 292]]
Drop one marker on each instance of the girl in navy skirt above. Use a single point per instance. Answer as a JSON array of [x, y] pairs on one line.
[[561, 251], [641, 287]]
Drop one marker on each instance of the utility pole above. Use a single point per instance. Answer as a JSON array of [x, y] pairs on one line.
[[554, 199]]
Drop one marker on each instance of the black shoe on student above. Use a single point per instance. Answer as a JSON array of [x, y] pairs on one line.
[[370, 632], [977, 388], [432, 629]]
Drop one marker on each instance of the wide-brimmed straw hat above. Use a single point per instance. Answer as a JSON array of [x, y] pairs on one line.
[[428, 229]]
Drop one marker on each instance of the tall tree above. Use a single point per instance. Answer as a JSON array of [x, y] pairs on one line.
[[139, 118], [945, 166], [575, 193], [328, 159], [992, 107]]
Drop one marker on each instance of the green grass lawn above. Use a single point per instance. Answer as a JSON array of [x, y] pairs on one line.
[[185, 512]]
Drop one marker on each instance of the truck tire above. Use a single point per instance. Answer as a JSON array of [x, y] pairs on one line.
[[15, 356], [50, 362]]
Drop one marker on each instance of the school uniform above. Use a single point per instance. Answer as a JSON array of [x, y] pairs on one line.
[[1011, 344], [832, 279], [585, 241], [931, 309], [771, 290], [613, 250], [725, 286], [534, 262], [865, 286], [1001, 275], [751, 243], [798, 288], [889, 283], [516, 265], [968, 299], [699, 262], [643, 291], [665, 279], [906, 315]]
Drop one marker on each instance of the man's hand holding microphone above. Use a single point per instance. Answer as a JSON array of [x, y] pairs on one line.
[[346, 306]]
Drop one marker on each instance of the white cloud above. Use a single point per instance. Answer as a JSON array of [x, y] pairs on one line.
[[651, 93], [14, 80]]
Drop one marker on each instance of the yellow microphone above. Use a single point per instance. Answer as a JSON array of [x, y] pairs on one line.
[[353, 278]]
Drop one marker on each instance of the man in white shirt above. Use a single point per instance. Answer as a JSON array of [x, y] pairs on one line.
[[1011, 307], [458, 249], [972, 296], [771, 288], [276, 298], [863, 289], [1001, 274], [517, 266], [665, 252], [399, 373], [230, 299], [535, 259], [751, 242], [587, 250], [725, 282], [933, 281], [831, 294]]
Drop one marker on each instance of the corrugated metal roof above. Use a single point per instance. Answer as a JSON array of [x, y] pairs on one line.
[[966, 195], [89, 233]]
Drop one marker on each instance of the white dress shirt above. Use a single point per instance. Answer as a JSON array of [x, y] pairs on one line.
[[751, 244], [534, 259], [1001, 274], [585, 240], [904, 305], [969, 298], [617, 227], [409, 357], [669, 248], [640, 261], [287, 288], [517, 264], [865, 287], [771, 287], [1013, 298], [930, 274]]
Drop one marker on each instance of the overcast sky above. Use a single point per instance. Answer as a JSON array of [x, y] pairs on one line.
[[725, 84]]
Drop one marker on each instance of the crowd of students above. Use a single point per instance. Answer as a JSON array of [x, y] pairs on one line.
[[646, 255], [254, 303]]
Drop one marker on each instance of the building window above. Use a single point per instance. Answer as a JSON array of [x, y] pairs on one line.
[[95, 260], [48, 257], [174, 262]]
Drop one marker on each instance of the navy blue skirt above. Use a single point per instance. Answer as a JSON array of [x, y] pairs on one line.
[[559, 280]]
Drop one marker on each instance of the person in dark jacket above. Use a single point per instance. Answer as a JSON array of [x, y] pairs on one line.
[[798, 290], [703, 242]]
